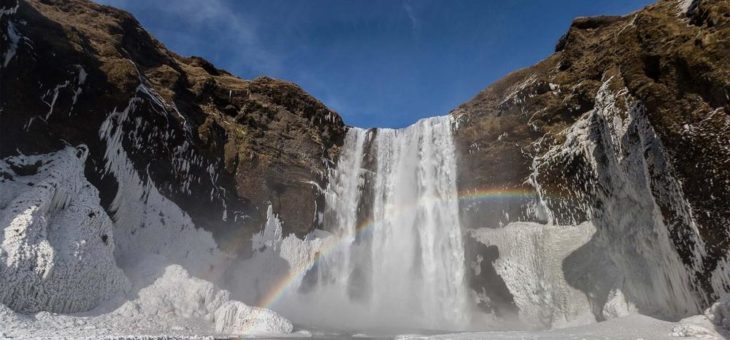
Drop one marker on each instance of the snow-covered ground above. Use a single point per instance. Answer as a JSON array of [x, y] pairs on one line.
[[629, 327], [175, 305], [120, 325]]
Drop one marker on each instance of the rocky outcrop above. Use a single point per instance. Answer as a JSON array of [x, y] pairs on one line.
[[627, 126], [220, 147]]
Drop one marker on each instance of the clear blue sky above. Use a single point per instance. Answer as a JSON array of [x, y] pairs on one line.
[[379, 63]]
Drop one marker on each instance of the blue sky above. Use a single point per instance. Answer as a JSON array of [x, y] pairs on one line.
[[379, 63]]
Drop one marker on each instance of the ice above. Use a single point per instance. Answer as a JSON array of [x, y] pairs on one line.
[[631, 251], [719, 313], [13, 37], [10, 10], [174, 305], [530, 262], [62, 253], [635, 327], [235, 317], [617, 306], [153, 225], [57, 244]]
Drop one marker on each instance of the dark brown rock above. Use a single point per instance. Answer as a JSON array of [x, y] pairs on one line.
[[249, 143]]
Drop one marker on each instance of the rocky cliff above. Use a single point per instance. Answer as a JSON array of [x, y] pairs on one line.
[[625, 126], [220, 147]]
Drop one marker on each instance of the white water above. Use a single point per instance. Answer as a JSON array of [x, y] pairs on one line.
[[393, 206]]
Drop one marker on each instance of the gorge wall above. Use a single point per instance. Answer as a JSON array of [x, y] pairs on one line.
[[624, 127]]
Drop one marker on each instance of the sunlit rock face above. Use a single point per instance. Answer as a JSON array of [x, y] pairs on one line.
[[220, 147]]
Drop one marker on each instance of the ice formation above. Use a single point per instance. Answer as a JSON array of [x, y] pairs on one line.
[[531, 264], [175, 305], [145, 270], [276, 261], [144, 219], [235, 317], [57, 244], [632, 250]]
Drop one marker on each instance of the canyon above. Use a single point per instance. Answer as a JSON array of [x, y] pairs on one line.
[[144, 193]]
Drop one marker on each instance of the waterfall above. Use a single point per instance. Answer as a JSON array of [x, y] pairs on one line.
[[393, 203]]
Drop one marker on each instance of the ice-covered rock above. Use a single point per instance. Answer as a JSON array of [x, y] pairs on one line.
[[530, 262], [622, 164], [176, 294], [177, 298], [57, 245], [719, 312], [175, 305], [235, 317], [275, 258], [146, 222], [688, 330], [616, 305]]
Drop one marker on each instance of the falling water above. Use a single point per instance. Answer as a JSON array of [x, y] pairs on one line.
[[393, 202]]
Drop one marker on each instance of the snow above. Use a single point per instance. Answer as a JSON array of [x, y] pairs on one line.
[[58, 256], [685, 5], [530, 262], [57, 245], [13, 37], [635, 327], [10, 10], [234, 317], [719, 313], [174, 305], [630, 175]]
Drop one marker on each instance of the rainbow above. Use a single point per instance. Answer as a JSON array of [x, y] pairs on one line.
[[331, 244]]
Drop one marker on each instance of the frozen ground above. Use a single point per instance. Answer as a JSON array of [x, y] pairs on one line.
[[630, 327], [52, 326]]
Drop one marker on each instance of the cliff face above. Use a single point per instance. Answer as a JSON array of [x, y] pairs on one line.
[[626, 126], [220, 147]]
